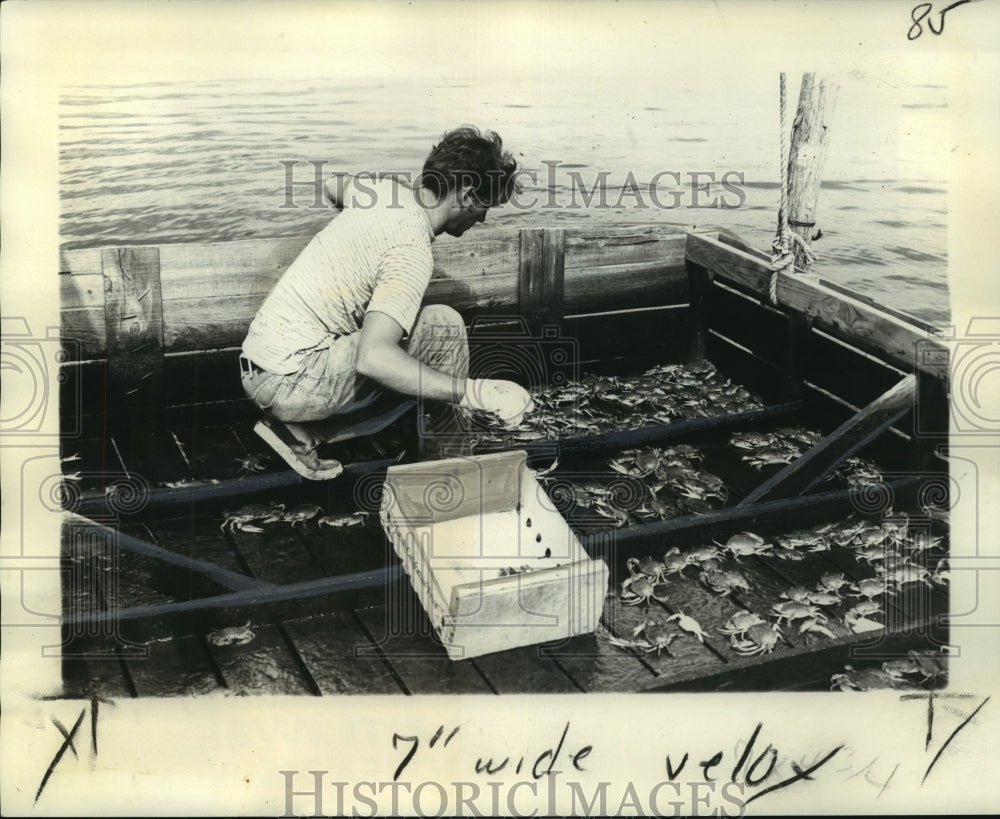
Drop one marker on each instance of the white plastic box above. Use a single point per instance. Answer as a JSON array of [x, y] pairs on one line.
[[493, 562]]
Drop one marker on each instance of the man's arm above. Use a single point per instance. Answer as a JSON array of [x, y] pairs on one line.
[[382, 359]]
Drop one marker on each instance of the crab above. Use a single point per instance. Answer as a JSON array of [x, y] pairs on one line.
[[749, 440], [922, 541], [847, 532], [674, 562], [252, 464], [813, 618], [930, 665], [862, 475], [740, 623], [870, 554], [689, 624], [640, 589], [232, 636], [896, 525], [899, 669], [797, 594], [869, 536], [336, 522], [655, 636], [871, 587], [619, 516], [687, 452], [770, 456], [760, 638], [784, 553], [702, 554], [941, 576], [797, 611], [864, 608], [863, 679], [936, 512], [652, 569], [832, 582], [246, 518], [904, 573], [724, 582], [822, 598], [804, 539], [745, 543], [302, 513]]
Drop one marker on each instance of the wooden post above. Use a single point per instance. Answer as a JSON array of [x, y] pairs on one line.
[[133, 314], [807, 157], [541, 294]]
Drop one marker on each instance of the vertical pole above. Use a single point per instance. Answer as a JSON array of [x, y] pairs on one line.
[[817, 99]]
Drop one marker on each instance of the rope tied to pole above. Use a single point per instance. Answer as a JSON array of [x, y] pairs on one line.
[[782, 250]]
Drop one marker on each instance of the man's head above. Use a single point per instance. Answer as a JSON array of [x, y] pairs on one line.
[[473, 171]]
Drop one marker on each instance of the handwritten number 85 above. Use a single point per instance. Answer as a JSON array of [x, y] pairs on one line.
[[922, 11]]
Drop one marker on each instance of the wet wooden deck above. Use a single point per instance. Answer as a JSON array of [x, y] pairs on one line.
[[378, 640]]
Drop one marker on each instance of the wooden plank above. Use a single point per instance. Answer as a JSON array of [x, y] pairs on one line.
[[102, 676], [597, 666], [233, 491], [216, 453], [846, 371], [699, 283], [217, 575], [809, 469], [659, 333], [806, 668], [639, 541], [621, 245], [202, 377], [210, 292], [759, 329], [285, 602], [624, 287], [194, 324], [177, 667], [265, 665], [688, 658], [540, 280], [339, 656], [405, 637], [525, 670], [134, 321], [762, 378], [843, 316]]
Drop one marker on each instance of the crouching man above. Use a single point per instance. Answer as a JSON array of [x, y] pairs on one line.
[[343, 325]]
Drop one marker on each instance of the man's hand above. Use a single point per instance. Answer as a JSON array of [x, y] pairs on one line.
[[505, 399]]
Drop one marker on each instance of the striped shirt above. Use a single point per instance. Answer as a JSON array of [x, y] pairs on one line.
[[368, 258]]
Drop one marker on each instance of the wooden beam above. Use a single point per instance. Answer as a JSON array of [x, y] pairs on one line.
[[133, 316], [225, 490], [210, 292], [163, 616], [224, 577], [542, 275], [808, 470], [851, 319], [784, 515]]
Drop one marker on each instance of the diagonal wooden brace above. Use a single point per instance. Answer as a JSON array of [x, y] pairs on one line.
[[223, 577], [815, 464]]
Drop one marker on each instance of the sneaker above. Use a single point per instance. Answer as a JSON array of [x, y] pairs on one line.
[[300, 457]]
